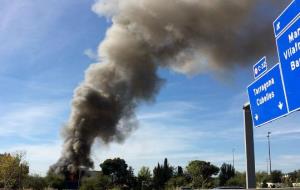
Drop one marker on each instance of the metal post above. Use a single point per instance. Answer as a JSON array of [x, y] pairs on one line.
[[249, 146], [267, 160], [269, 151]]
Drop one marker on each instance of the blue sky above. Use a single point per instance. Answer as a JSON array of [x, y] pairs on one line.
[[46, 47]]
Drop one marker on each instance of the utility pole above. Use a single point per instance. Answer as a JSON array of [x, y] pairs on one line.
[[249, 148], [269, 151], [267, 161]]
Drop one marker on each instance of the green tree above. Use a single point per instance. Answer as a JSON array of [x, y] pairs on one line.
[[121, 175], [276, 176], [13, 170], [226, 172], [144, 178], [117, 169], [145, 174], [158, 181], [35, 182], [161, 174], [167, 170], [201, 173], [131, 179], [179, 171]]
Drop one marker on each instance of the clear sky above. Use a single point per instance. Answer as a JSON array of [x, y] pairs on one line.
[[45, 47]]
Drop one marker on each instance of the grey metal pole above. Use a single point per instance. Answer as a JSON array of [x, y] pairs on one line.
[[267, 160], [249, 146], [269, 151]]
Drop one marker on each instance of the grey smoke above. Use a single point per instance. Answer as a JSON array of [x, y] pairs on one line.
[[188, 36]]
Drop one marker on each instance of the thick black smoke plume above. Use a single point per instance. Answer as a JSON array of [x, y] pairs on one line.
[[188, 36]]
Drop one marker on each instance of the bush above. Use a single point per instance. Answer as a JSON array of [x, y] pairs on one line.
[[178, 181], [238, 180], [55, 181], [98, 182], [35, 182], [276, 176], [227, 172]]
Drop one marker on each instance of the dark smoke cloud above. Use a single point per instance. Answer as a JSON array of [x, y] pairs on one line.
[[188, 36]]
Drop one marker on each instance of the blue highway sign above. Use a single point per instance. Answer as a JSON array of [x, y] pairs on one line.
[[260, 67], [277, 92], [267, 98], [288, 45], [284, 19]]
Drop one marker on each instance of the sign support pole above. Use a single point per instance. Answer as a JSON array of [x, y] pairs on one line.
[[249, 147]]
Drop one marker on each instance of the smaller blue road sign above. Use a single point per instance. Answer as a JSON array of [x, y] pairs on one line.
[[285, 18], [267, 97], [288, 46], [260, 67]]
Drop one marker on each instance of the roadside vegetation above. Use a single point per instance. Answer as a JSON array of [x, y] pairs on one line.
[[115, 174]]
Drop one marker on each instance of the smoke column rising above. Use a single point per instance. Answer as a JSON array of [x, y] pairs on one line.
[[188, 36]]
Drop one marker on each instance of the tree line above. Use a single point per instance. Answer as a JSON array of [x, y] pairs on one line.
[[116, 174]]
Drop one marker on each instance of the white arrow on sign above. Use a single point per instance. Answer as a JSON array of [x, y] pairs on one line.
[[256, 117], [280, 105]]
